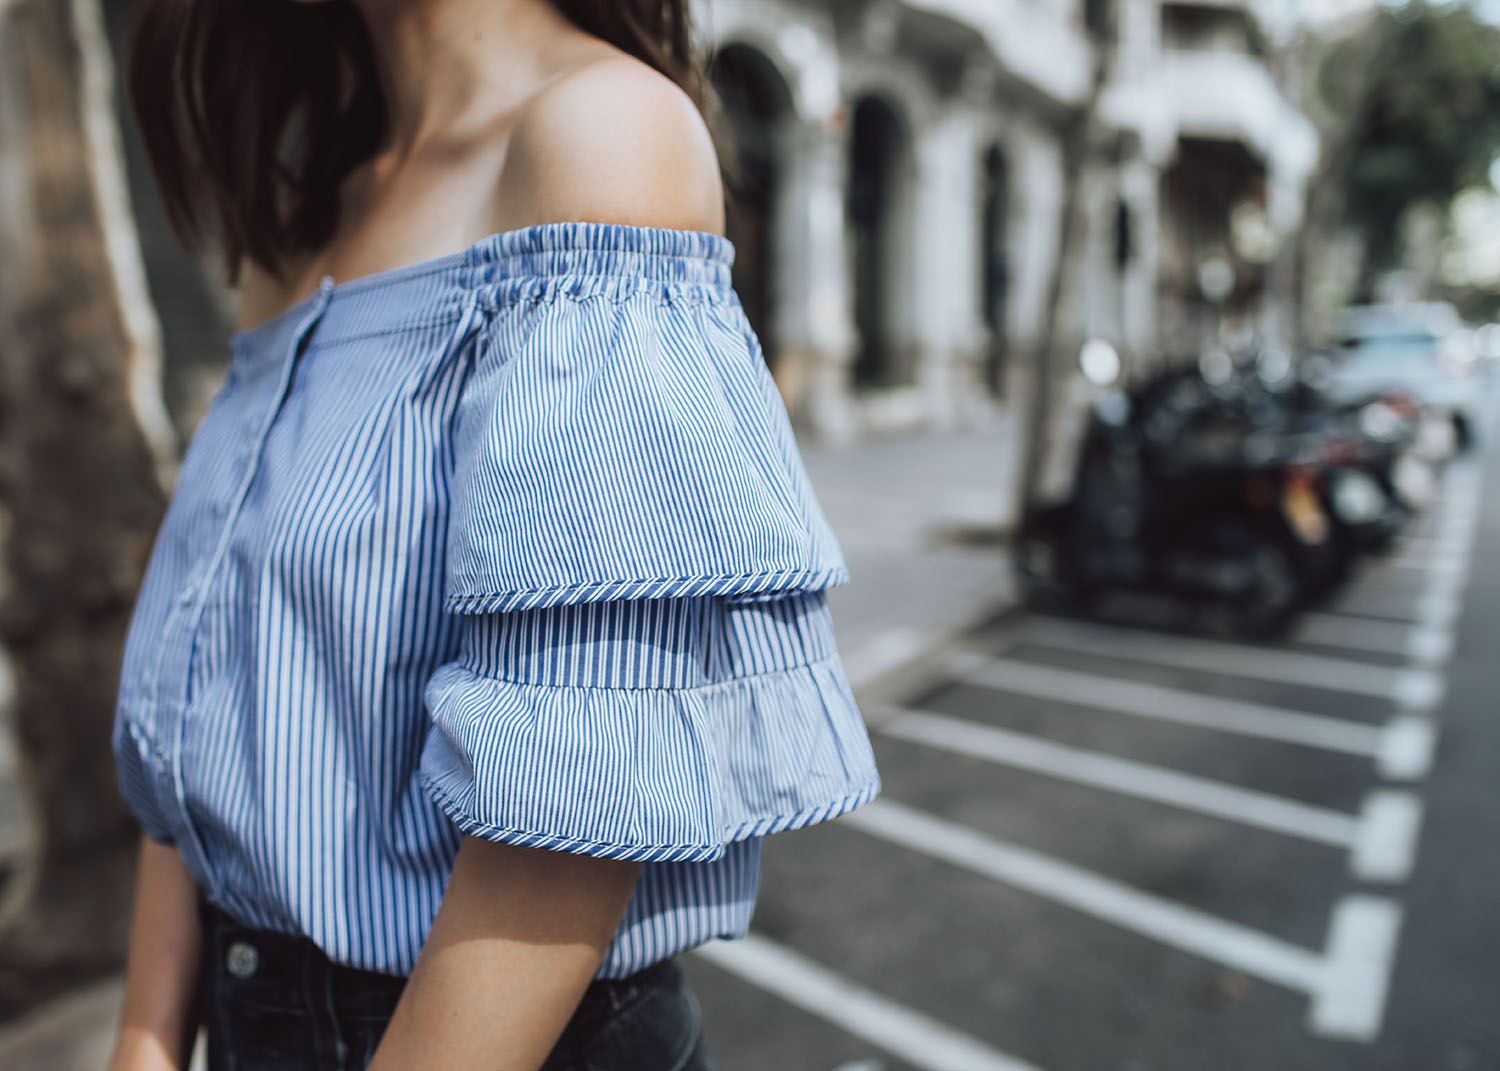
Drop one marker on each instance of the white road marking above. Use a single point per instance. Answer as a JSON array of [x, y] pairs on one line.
[[1374, 599], [1257, 663], [1450, 563], [1126, 777], [1347, 985], [919, 1040], [1187, 708], [1381, 839], [1371, 635], [1430, 645], [1419, 689], [1349, 1000], [1439, 606], [1411, 738], [1385, 844], [1407, 747]]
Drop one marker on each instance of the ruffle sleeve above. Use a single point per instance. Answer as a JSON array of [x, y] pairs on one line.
[[654, 729], [646, 666], [623, 446]]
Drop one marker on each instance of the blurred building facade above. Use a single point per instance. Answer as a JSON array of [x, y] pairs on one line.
[[898, 228]]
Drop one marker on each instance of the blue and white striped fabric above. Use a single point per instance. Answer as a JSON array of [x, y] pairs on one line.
[[513, 542]]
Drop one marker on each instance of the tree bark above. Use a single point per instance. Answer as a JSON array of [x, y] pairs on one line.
[[1079, 134], [84, 459]]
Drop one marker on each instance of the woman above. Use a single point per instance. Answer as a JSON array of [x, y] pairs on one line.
[[485, 634]]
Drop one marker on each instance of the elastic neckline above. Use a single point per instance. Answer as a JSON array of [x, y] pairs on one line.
[[521, 250]]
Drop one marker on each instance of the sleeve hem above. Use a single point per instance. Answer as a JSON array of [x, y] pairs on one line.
[[656, 853], [659, 588]]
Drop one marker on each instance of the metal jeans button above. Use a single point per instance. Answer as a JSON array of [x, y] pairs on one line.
[[242, 959]]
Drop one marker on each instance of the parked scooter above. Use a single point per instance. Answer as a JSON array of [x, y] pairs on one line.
[[1377, 465], [1181, 487]]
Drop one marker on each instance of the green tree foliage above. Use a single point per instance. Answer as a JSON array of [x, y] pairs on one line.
[[1419, 87]]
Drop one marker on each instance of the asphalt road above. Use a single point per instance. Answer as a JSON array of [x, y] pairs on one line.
[[1103, 848]]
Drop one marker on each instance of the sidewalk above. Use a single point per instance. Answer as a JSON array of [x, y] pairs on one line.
[[917, 520]]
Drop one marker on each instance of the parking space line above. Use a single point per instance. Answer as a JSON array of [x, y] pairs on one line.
[[1385, 844], [1448, 565], [1349, 1001], [1366, 634], [1185, 708], [1347, 984], [1407, 747], [1440, 605], [1425, 645], [918, 1039], [1381, 839], [1430, 645], [1411, 687], [1373, 600]]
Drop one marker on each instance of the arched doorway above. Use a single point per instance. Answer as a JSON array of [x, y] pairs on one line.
[[995, 276], [758, 103], [877, 157]]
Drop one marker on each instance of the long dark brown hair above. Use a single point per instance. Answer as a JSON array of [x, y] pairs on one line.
[[252, 113]]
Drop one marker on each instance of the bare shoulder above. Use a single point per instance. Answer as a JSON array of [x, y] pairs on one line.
[[613, 141]]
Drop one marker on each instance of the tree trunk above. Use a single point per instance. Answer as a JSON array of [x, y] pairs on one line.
[[85, 454], [1078, 136]]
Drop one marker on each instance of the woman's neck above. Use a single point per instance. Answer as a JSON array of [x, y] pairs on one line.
[[449, 65]]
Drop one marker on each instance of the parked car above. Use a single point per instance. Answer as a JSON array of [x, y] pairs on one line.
[[1420, 348]]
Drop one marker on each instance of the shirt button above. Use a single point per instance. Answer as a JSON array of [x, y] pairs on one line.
[[160, 763], [242, 959]]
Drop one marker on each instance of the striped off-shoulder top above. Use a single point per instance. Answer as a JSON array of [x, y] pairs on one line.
[[514, 542]]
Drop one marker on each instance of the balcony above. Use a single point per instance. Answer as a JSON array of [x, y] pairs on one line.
[[1034, 42], [1230, 96]]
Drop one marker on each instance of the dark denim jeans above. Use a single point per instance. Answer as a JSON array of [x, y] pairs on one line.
[[272, 1002]]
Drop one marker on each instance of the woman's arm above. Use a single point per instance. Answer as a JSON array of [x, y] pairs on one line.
[[517, 938], [521, 931], [160, 1016]]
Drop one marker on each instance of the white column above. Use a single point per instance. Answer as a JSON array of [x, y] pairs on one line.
[[947, 246], [815, 318]]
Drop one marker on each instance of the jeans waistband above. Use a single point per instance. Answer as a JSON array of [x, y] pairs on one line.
[[248, 951]]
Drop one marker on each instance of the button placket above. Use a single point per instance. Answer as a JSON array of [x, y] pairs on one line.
[[174, 663]]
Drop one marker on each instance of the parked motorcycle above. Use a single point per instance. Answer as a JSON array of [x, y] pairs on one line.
[[1186, 485]]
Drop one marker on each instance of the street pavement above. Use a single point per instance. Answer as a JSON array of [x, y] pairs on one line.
[[1110, 848]]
